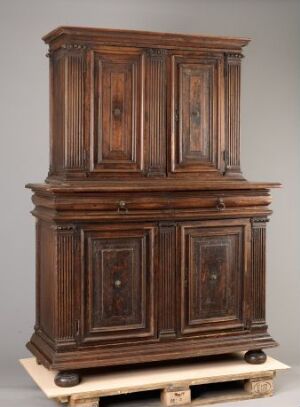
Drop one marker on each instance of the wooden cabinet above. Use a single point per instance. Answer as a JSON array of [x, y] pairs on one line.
[[150, 243]]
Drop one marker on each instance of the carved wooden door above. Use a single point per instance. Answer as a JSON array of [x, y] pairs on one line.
[[197, 122], [118, 283], [215, 276], [117, 86]]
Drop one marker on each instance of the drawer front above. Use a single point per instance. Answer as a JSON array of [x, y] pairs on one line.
[[214, 276], [118, 283]]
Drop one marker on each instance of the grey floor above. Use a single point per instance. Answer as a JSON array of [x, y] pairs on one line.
[[18, 390]]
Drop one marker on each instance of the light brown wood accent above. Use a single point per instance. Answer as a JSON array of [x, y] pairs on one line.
[[176, 396], [167, 378]]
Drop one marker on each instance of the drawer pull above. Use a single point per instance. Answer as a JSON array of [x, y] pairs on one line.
[[118, 283], [122, 207], [220, 204]]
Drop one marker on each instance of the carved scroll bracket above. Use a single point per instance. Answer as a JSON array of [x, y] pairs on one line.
[[156, 52], [68, 47], [259, 221], [234, 55], [66, 227]]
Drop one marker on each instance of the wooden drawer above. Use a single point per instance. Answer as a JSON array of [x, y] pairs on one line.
[[127, 202]]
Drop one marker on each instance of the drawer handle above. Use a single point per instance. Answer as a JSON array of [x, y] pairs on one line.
[[122, 207], [220, 204], [118, 283]]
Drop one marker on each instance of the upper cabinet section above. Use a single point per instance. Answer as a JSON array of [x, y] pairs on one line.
[[139, 105]]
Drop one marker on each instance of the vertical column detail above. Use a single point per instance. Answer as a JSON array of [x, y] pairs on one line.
[[167, 288], [232, 105], [155, 126], [258, 271], [66, 252], [74, 111]]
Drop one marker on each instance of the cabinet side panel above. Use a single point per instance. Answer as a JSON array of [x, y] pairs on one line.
[[47, 279], [258, 273]]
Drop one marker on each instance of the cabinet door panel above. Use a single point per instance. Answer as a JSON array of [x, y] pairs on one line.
[[196, 114], [118, 114], [214, 271], [119, 283]]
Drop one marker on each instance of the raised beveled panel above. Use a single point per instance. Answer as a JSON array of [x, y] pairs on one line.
[[119, 279], [214, 266], [118, 88], [196, 120]]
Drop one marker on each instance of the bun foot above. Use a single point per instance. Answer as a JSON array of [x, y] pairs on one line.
[[67, 379], [255, 357]]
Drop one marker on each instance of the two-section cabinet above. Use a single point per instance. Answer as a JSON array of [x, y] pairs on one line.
[[150, 244]]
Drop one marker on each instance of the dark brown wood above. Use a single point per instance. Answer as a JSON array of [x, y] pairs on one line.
[[255, 357], [67, 379], [150, 243]]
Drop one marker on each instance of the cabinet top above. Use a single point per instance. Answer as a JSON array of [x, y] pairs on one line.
[[161, 185], [143, 38]]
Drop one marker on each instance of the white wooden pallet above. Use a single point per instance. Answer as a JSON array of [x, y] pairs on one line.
[[174, 381]]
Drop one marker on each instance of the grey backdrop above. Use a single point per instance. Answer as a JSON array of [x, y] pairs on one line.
[[270, 123]]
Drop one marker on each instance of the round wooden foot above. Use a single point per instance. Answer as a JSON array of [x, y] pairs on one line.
[[67, 379], [255, 357]]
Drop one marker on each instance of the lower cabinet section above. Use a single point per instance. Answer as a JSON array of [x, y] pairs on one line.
[[148, 291]]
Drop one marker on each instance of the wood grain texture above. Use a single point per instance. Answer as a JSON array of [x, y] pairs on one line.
[[258, 272], [167, 279], [155, 113], [150, 243], [118, 110], [232, 103]]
